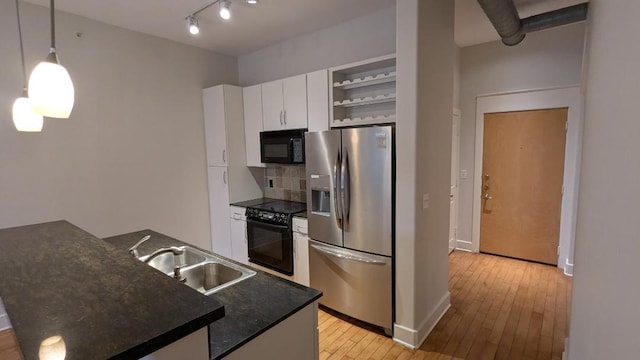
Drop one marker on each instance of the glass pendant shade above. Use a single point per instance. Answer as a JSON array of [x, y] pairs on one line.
[[50, 89], [24, 116]]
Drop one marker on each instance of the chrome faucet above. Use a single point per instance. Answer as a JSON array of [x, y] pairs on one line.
[[134, 249], [175, 250]]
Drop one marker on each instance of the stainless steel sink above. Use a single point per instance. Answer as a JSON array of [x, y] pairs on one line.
[[204, 272], [167, 262]]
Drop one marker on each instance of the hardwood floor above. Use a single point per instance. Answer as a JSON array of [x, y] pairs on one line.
[[501, 308], [8, 346]]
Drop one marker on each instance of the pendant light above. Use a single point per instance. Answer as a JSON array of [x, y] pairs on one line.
[[24, 117], [50, 87]]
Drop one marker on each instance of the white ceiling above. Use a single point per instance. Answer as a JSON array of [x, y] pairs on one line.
[[253, 27]]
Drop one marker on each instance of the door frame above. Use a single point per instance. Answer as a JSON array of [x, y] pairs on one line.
[[455, 176], [569, 97]]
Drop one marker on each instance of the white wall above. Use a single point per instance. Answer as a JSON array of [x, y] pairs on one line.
[[358, 39], [425, 99], [545, 59], [605, 318], [132, 154]]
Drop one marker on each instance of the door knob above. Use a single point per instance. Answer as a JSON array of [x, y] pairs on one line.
[[487, 197]]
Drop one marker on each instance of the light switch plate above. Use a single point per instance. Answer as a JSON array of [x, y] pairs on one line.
[[464, 174], [425, 201]]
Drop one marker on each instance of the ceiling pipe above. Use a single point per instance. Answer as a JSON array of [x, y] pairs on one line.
[[504, 17]]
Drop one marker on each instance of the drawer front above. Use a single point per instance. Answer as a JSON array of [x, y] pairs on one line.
[[300, 225], [237, 213]]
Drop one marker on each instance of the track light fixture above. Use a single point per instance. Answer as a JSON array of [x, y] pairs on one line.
[[225, 13], [224, 10], [194, 29]]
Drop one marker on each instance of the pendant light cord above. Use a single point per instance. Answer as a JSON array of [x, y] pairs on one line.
[[24, 71], [53, 27]]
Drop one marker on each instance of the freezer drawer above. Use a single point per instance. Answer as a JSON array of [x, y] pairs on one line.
[[352, 282]]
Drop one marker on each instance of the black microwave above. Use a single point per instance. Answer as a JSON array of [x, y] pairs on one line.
[[282, 147]]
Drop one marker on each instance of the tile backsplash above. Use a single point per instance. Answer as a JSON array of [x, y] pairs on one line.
[[286, 182]]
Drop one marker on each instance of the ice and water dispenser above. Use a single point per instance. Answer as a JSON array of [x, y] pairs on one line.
[[320, 194]]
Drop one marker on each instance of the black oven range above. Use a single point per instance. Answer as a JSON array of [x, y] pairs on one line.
[[270, 234]]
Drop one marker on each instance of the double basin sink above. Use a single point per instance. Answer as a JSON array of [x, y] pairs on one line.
[[201, 271]]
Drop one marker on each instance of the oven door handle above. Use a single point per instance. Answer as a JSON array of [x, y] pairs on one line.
[[284, 227], [340, 255]]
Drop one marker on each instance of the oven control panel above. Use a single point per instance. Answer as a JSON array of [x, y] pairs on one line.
[[267, 216]]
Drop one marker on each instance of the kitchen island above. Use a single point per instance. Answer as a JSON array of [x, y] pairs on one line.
[[253, 307], [61, 283]]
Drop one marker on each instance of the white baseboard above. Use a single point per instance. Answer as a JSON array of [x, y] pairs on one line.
[[464, 245], [4, 318], [4, 322], [414, 338], [568, 268], [565, 353]]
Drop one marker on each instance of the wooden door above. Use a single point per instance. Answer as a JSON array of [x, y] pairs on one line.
[[522, 173]]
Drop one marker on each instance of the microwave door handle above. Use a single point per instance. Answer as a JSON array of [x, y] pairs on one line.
[[336, 191]]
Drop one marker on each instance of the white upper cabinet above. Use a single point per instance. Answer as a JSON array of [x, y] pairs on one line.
[[284, 103], [272, 105], [295, 102], [252, 101], [214, 125], [318, 100]]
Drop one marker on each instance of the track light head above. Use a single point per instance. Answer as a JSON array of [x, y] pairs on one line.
[[225, 13], [194, 28]]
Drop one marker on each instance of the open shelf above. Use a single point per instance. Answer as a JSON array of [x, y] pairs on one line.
[[366, 81], [369, 100], [363, 93]]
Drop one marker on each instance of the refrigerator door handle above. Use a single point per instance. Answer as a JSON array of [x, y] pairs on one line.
[[336, 189], [338, 254], [345, 189]]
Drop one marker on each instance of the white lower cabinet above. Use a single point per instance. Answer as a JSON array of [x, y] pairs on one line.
[[301, 251], [276, 343], [238, 225], [194, 346], [219, 194]]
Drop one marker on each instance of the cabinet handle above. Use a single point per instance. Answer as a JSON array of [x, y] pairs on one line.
[[224, 177], [224, 155], [285, 117], [281, 117]]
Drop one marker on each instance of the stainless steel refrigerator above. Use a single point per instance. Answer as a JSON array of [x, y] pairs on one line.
[[350, 191]]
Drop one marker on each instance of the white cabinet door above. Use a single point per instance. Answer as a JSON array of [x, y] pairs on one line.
[[252, 101], [318, 100], [219, 210], [301, 251], [272, 106], [239, 247], [276, 343], [214, 125], [294, 91], [301, 261]]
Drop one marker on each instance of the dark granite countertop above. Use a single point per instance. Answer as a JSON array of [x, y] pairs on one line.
[[252, 306], [302, 214], [254, 202], [59, 280]]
